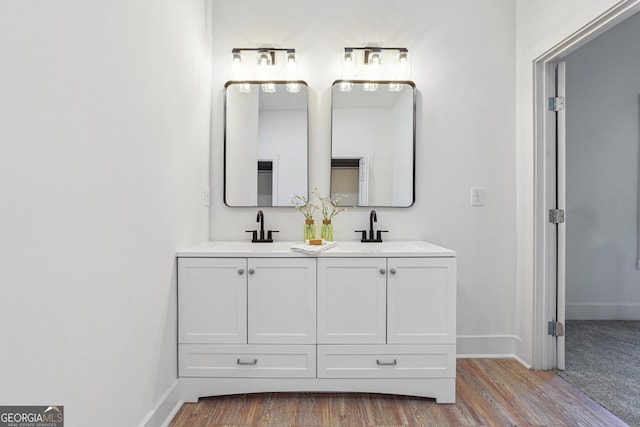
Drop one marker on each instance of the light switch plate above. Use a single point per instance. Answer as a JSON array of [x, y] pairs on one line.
[[206, 196], [477, 196]]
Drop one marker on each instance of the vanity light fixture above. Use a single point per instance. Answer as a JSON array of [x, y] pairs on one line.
[[271, 64], [371, 64]]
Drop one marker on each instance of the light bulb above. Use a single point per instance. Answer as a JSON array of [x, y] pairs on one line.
[[236, 71], [345, 86], [348, 65], [244, 88], [374, 58], [264, 59], [268, 87], [404, 67], [370, 87], [293, 87], [291, 67]]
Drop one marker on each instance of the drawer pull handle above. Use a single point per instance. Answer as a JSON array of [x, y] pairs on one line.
[[392, 271], [383, 271], [251, 271], [247, 363], [240, 272], [381, 363]]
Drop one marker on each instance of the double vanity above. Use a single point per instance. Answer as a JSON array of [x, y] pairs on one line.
[[358, 317], [369, 316]]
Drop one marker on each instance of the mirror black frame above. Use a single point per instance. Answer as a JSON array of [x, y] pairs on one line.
[[413, 142], [224, 155]]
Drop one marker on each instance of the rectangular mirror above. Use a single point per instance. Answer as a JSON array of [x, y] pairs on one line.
[[265, 143], [373, 142]]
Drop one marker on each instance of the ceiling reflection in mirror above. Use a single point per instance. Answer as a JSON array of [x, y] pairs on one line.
[[373, 143], [266, 143]]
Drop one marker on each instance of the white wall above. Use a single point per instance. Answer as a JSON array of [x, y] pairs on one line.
[[541, 25], [104, 128], [242, 144], [603, 122], [464, 70], [280, 133]]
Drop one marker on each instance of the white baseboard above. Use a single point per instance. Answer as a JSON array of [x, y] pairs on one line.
[[482, 346], [522, 362], [602, 311], [166, 408]]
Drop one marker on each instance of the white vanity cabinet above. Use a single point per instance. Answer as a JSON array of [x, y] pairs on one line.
[[378, 318], [281, 301], [421, 301], [386, 317], [212, 300], [352, 300], [231, 309]]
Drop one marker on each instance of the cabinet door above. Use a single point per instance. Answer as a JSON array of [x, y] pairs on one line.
[[212, 300], [421, 301], [351, 300], [282, 301]]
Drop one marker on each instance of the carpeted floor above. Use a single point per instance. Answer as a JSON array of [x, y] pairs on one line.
[[603, 361]]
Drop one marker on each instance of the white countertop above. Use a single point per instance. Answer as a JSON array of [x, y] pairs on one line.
[[222, 249]]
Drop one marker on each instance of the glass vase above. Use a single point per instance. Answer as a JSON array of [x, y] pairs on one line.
[[309, 229], [326, 230]]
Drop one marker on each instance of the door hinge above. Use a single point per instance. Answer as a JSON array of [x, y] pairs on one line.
[[556, 216], [555, 329], [556, 103]]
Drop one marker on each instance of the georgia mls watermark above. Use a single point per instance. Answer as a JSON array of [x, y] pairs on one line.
[[32, 416]]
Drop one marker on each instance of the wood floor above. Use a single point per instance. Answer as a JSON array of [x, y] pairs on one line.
[[489, 392]]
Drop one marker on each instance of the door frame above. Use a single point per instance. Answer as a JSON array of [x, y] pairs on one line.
[[545, 242]]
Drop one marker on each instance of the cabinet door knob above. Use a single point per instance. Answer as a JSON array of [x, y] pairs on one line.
[[247, 362], [383, 271], [381, 363], [251, 271], [392, 271], [240, 272]]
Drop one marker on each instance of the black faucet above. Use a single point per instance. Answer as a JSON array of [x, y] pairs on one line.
[[261, 239], [260, 219], [373, 217]]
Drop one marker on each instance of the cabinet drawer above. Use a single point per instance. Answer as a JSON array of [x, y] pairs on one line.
[[248, 361], [386, 361]]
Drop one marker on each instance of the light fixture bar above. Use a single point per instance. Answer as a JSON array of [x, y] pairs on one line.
[[270, 52], [377, 48], [368, 65], [264, 64]]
